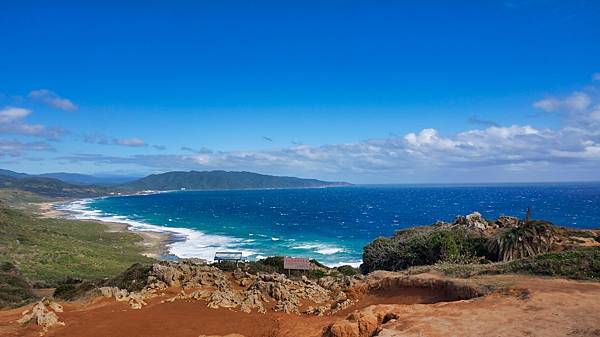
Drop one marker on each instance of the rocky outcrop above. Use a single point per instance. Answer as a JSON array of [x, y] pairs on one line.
[[43, 313], [134, 299], [475, 221], [240, 290], [505, 221], [472, 221], [364, 323]]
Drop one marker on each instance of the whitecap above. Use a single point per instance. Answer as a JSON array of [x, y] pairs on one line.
[[184, 243]]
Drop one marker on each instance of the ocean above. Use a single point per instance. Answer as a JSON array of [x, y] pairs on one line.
[[331, 225]]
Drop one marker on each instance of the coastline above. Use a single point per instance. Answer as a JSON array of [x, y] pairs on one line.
[[155, 243], [161, 243]]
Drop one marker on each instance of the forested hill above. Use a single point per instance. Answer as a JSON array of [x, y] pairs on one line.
[[196, 180]]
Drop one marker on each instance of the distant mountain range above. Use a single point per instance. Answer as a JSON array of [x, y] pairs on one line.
[[75, 178], [81, 185]]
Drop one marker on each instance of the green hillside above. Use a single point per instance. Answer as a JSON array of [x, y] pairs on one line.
[[221, 180]]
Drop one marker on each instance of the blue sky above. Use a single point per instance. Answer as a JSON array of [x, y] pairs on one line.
[[332, 90]]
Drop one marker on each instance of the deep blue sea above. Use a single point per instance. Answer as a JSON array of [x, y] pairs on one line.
[[330, 224]]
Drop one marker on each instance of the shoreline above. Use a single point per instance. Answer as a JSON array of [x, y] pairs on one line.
[[155, 243], [158, 241]]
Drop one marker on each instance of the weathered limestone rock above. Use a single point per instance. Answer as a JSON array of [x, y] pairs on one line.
[[253, 299], [504, 221], [203, 282], [473, 221], [224, 299], [286, 306], [44, 314], [365, 323]]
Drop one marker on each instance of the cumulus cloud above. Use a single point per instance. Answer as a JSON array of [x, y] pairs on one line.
[[562, 152], [52, 99], [132, 142], [12, 121]]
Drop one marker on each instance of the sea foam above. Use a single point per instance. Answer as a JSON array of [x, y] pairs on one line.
[[184, 242]]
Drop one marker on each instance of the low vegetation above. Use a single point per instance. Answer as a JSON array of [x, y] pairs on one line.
[[274, 264], [583, 263], [424, 246], [50, 250], [14, 288], [50, 187], [527, 239], [473, 246]]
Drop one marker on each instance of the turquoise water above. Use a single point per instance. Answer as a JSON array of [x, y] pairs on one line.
[[330, 224]]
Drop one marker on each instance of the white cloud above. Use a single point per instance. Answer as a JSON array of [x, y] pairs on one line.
[[10, 114], [12, 121], [52, 99], [526, 151], [133, 142], [577, 101], [596, 77]]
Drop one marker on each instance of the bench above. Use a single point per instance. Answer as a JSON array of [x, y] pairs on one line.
[[228, 257]]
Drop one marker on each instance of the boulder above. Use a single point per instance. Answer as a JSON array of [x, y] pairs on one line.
[[505, 221], [472, 221], [365, 323], [286, 306], [225, 299], [253, 299]]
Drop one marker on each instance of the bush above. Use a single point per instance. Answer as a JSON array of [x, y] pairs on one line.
[[527, 239], [133, 279], [74, 290], [317, 263], [347, 270], [316, 274], [423, 247], [273, 261], [14, 288]]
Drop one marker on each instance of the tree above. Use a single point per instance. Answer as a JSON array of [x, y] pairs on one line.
[[526, 239]]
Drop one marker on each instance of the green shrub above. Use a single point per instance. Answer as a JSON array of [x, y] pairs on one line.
[[317, 263], [423, 247], [347, 270], [14, 288], [273, 261], [135, 278], [527, 239], [316, 274]]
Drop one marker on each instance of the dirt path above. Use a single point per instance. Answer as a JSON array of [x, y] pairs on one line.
[[527, 306]]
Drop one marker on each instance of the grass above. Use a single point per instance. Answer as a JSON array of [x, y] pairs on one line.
[[21, 199], [583, 264], [14, 289], [50, 250], [580, 264]]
